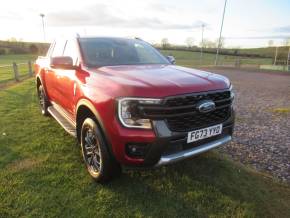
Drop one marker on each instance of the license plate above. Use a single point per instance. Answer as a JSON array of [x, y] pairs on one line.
[[200, 134]]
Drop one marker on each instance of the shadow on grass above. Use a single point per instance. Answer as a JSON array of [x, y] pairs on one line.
[[200, 187], [4, 83], [205, 186]]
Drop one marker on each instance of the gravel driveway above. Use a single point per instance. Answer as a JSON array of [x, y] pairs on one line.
[[262, 132]]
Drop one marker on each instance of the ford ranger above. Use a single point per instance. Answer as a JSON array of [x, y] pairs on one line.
[[128, 105]]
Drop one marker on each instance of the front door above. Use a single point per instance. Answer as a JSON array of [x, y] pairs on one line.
[[66, 83]]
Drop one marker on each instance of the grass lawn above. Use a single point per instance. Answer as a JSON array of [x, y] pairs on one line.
[[42, 175], [191, 59], [6, 73]]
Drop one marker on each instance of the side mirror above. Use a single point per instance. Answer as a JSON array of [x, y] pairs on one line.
[[62, 62], [171, 59]]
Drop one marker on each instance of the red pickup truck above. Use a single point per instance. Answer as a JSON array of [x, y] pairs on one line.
[[128, 105]]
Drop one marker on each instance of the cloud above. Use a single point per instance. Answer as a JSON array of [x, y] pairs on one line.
[[10, 15], [101, 15], [283, 29], [261, 37]]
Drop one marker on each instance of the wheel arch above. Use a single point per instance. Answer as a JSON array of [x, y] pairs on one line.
[[38, 81], [84, 109]]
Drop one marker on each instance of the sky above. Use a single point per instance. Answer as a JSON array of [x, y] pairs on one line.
[[248, 23]]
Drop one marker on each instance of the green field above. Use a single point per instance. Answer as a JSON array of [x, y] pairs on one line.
[[184, 58], [6, 73], [42, 175], [193, 59]]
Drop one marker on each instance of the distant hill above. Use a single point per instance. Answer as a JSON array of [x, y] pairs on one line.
[[267, 52], [18, 47]]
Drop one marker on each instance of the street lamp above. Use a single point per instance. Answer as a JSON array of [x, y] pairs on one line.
[[201, 46], [42, 18], [219, 42]]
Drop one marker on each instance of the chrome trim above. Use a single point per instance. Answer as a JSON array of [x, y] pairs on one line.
[[164, 160]]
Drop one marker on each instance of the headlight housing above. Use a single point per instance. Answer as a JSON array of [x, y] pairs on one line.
[[129, 115]]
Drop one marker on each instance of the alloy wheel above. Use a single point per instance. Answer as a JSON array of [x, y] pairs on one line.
[[91, 151]]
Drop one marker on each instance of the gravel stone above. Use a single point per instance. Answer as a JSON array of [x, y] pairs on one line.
[[262, 135]]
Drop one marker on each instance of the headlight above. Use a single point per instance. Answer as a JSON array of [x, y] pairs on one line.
[[129, 115]]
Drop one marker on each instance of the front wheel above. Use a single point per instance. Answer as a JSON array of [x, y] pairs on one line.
[[101, 166], [43, 102]]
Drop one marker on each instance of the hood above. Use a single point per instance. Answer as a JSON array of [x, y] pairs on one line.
[[162, 80]]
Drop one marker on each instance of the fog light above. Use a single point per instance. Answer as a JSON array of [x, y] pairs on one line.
[[136, 150]]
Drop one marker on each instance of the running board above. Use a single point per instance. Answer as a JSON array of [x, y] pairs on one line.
[[62, 120]]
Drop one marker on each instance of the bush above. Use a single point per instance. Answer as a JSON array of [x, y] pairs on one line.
[[17, 50], [33, 49], [2, 51]]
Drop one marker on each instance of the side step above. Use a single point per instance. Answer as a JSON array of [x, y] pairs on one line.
[[62, 120]]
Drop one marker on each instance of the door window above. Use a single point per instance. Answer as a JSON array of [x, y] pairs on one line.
[[71, 50], [58, 48]]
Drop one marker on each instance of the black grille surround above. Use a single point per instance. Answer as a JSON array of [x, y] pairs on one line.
[[181, 114]]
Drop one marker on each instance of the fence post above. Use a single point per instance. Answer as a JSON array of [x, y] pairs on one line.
[[276, 55], [30, 68], [288, 59], [16, 73], [238, 62]]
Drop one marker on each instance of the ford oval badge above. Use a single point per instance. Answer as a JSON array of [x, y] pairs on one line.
[[206, 106]]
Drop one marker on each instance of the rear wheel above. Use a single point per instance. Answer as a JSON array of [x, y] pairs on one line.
[[43, 102], [101, 166]]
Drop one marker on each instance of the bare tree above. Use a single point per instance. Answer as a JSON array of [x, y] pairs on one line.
[[270, 43], [189, 42], [208, 44], [286, 42], [12, 39], [164, 43], [222, 42]]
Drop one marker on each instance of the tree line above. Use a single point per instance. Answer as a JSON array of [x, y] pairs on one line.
[[13, 46]]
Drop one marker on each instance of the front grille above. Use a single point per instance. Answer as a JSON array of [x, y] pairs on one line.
[[180, 112]]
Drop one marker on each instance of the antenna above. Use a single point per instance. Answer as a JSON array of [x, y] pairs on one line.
[[138, 38]]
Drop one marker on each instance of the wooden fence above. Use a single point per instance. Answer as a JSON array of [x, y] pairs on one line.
[[15, 71]]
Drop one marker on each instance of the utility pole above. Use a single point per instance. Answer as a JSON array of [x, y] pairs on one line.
[[219, 42], [276, 55], [43, 28], [201, 46], [288, 59]]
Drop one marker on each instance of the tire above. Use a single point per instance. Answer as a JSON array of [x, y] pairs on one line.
[[99, 162], [43, 102]]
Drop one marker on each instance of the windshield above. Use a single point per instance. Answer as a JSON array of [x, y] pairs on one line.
[[118, 51]]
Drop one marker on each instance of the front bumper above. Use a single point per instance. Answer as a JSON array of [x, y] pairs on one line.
[[171, 158], [169, 147]]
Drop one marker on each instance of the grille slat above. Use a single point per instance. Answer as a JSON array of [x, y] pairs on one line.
[[181, 114]]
